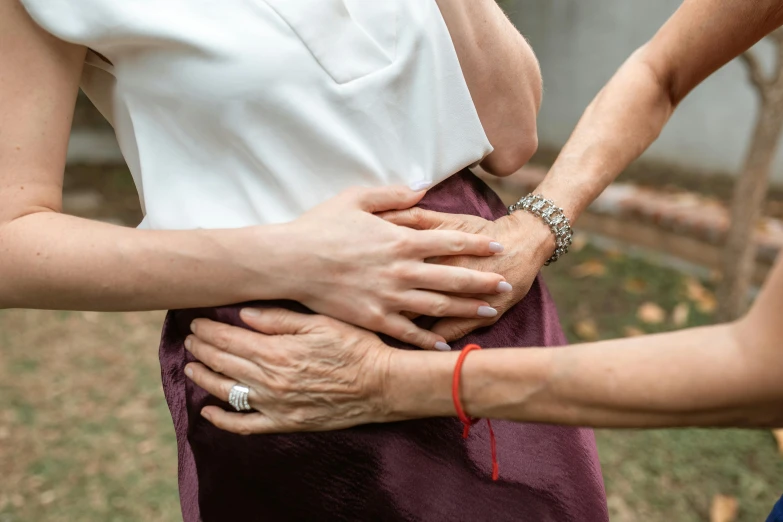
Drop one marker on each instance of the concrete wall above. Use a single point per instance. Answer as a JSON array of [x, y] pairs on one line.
[[581, 43]]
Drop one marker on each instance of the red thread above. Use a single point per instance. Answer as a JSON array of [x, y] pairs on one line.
[[467, 421]]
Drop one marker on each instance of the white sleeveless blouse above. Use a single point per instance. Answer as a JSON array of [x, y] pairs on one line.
[[239, 112]]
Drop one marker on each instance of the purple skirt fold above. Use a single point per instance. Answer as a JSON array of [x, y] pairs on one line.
[[418, 470]]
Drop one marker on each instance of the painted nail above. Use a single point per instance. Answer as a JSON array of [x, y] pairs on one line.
[[442, 347], [487, 311], [251, 312], [188, 342], [495, 247], [504, 287], [418, 186], [193, 327], [189, 372]]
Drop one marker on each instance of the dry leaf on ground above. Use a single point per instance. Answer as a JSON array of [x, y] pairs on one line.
[[591, 268], [632, 331], [635, 285], [579, 242], [586, 330], [779, 437], [651, 313], [704, 299], [724, 509], [680, 314]]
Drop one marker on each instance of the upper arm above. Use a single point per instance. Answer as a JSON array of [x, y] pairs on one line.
[[704, 35], [503, 76], [38, 88]]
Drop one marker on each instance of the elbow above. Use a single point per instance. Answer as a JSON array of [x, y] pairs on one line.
[[506, 160]]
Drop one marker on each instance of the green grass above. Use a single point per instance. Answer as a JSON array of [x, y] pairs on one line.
[[663, 475], [85, 433]]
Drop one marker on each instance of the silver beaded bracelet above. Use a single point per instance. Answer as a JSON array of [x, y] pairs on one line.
[[553, 216]]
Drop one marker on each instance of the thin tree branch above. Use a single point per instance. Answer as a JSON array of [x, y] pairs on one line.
[[777, 36], [757, 76]]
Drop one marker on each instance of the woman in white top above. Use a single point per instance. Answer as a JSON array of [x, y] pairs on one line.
[[247, 126]]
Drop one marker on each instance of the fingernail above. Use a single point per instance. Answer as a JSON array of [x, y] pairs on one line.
[[205, 414], [251, 312], [189, 372], [418, 186], [188, 342], [442, 347], [487, 311], [504, 287], [193, 327], [495, 247]]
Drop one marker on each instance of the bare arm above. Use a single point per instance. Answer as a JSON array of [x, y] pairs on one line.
[[503, 76], [324, 259], [310, 373], [632, 109], [49, 260], [725, 375]]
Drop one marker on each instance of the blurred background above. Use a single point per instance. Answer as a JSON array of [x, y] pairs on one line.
[[648, 257]]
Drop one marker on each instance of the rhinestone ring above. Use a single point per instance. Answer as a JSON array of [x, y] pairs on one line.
[[237, 397]]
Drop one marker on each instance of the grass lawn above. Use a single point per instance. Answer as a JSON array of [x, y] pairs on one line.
[[85, 434]]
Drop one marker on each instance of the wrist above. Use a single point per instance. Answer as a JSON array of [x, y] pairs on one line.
[[418, 384], [268, 254], [533, 235]]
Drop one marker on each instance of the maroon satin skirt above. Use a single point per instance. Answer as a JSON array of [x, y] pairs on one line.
[[419, 470]]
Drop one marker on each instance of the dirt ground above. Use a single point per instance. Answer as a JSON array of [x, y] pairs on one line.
[[85, 433]]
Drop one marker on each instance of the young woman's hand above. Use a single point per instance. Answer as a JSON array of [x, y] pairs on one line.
[[352, 265]]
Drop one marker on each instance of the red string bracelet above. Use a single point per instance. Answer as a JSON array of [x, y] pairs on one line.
[[467, 421]]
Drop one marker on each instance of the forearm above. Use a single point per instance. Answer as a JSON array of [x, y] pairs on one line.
[[699, 377], [630, 112], [54, 261], [503, 76], [621, 123]]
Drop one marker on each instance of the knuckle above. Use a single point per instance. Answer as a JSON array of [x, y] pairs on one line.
[[402, 272], [217, 365], [440, 306], [460, 282], [375, 317], [404, 243], [221, 337], [410, 335], [416, 216], [458, 244], [244, 430]]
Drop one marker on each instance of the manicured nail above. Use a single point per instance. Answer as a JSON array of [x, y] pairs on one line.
[[487, 311], [193, 327], [189, 372], [188, 342], [504, 287], [418, 186], [495, 247], [442, 347], [251, 312]]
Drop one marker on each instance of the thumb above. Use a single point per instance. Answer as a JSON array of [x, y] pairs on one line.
[[417, 218], [379, 199], [277, 321]]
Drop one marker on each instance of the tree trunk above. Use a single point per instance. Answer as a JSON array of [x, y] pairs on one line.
[[749, 195]]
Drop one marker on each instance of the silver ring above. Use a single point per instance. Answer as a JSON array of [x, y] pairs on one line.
[[237, 397]]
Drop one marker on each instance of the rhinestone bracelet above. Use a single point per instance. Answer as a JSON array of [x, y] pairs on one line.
[[553, 216]]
